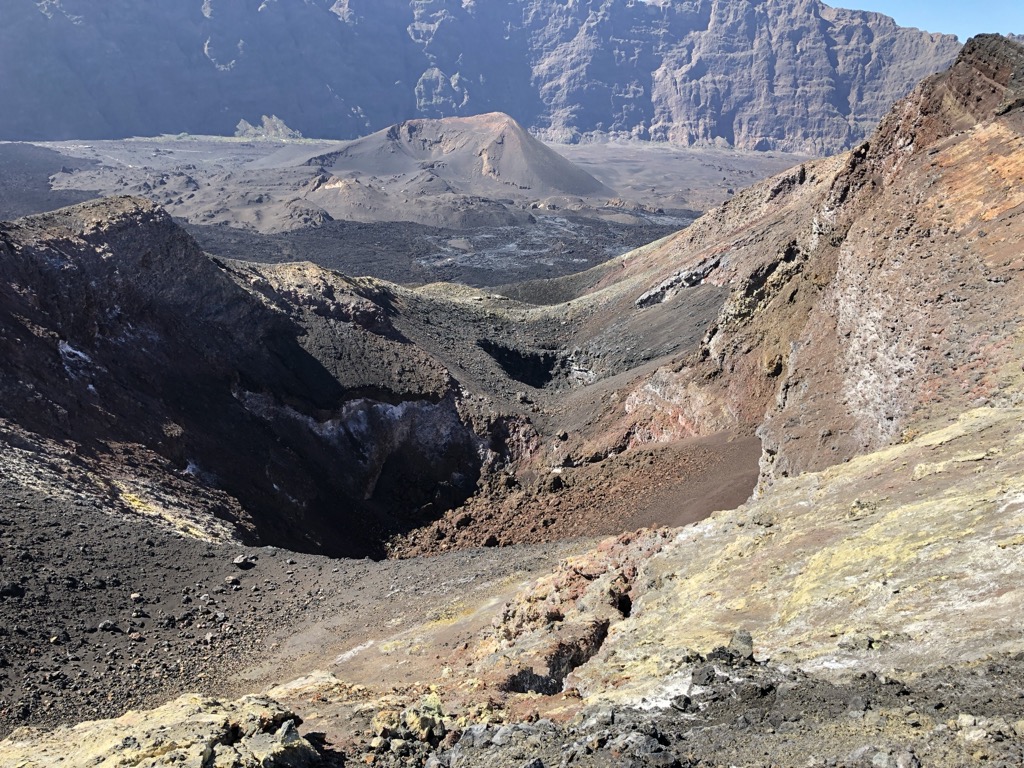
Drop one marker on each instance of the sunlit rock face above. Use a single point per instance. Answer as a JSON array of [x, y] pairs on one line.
[[869, 292], [771, 74]]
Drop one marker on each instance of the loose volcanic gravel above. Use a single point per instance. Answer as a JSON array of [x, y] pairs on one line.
[[100, 614]]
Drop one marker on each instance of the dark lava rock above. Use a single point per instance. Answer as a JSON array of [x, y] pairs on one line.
[[705, 675], [12, 589]]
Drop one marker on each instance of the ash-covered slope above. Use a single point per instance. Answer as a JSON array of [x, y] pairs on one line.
[[485, 154], [772, 74], [291, 405], [835, 309], [449, 171], [866, 614]]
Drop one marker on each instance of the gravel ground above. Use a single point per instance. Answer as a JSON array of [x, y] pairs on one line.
[[100, 614]]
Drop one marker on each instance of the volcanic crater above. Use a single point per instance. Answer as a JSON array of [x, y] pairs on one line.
[[832, 357]]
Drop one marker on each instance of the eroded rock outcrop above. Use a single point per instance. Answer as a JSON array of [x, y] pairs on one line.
[[870, 295], [862, 615], [252, 732], [284, 404], [906, 557], [561, 621]]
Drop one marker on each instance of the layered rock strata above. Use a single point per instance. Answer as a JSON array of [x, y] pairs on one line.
[[772, 74]]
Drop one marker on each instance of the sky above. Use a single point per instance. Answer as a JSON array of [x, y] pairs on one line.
[[956, 17]]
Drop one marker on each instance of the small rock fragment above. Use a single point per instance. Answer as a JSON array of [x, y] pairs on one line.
[[856, 641], [704, 676], [682, 703], [965, 720], [857, 704], [12, 589], [245, 562], [742, 644]]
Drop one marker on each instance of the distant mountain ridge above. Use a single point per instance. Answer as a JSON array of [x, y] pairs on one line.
[[764, 74]]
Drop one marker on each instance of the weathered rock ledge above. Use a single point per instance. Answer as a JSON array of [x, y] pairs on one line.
[[252, 732]]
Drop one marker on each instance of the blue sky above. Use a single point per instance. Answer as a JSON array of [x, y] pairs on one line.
[[955, 17]]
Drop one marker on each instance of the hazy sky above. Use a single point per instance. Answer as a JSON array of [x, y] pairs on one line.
[[956, 17]]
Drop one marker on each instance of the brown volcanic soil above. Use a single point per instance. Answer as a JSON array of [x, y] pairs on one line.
[[69, 565], [657, 485]]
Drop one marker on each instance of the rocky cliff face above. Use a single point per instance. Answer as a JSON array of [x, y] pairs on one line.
[[766, 74], [870, 293]]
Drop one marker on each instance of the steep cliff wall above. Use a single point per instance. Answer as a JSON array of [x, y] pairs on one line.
[[871, 293], [764, 74]]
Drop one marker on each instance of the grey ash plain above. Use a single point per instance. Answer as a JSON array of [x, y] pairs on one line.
[[660, 189]]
